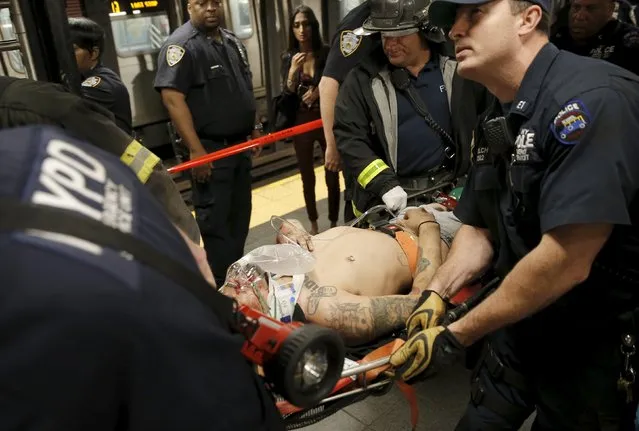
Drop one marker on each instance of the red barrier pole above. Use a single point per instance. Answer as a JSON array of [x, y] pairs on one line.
[[235, 149]]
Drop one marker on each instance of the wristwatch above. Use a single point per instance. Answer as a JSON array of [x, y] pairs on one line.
[[259, 126]]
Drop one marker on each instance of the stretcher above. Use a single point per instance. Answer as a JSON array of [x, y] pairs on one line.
[[369, 373]]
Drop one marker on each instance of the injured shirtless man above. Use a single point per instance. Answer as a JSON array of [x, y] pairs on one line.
[[364, 283]]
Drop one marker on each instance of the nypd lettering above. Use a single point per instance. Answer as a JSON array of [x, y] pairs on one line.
[[73, 180], [349, 42], [570, 123], [524, 145]]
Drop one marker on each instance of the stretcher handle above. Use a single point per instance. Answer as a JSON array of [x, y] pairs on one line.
[[463, 308], [366, 367]]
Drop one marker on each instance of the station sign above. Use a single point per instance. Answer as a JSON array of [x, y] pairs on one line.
[[143, 6]]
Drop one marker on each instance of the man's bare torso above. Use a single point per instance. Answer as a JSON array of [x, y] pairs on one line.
[[360, 261]]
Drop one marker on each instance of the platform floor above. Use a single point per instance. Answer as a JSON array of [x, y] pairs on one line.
[[441, 399]]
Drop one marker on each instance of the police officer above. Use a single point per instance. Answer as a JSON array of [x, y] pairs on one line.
[[27, 102], [591, 30], [403, 115], [94, 339], [551, 202], [347, 50], [100, 84], [206, 85]]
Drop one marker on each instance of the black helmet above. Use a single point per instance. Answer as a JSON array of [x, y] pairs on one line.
[[400, 18]]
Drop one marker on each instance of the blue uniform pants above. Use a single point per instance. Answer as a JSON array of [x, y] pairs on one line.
[[223, 209], [568, 390]]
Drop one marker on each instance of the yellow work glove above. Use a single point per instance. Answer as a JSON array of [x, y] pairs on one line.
[[429, 312], [426, 353]]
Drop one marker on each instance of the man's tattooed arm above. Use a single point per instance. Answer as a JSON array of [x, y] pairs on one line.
[[358, 319], [429, 256]]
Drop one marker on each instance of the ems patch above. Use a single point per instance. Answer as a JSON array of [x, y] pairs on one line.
[[349, 42], [570, 123], [174, 54], [93, 81]]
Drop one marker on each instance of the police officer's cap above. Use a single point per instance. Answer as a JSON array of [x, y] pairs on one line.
[[396, 18], [442, 12]]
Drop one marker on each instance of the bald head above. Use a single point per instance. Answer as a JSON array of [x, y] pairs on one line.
[[205, 14]]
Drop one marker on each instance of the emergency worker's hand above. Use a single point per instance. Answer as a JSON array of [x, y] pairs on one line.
[[332, 159], [428, 313], [296, 62], [395, 199], [426, 353], [203, 172], [414, 217]]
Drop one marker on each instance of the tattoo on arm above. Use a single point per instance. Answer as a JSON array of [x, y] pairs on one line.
[[391, 312], [360, 322], [423, 262], [316, 293]]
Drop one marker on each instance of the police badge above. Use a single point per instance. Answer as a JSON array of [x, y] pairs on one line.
[[349, 42], [93, 81], [174, 54]]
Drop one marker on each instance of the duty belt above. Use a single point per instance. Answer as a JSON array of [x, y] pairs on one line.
[[423, 184]]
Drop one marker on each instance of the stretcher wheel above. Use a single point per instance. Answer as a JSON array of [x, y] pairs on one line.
[[307, 366]]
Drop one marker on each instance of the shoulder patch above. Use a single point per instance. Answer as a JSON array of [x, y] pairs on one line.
[[631, 39], [92, 81], [174, 54], [570, 123], [349, 42]]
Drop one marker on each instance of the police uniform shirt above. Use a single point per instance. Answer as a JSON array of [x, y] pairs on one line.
[[575, 159], [617, 42], [215, 78], [348, 49], [93, 340], [104, 86], [420, 148]]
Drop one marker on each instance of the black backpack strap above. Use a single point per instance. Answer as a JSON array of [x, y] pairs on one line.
[[401, 82], [16, 215]]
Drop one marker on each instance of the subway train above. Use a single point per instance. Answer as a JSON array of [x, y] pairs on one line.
[[136, 30]]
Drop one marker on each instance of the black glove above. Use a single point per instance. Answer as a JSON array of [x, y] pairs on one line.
[[428, 313], [425, 353]]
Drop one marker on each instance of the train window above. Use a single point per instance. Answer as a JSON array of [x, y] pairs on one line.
[[241, 18], [139, 34], [8, 33]]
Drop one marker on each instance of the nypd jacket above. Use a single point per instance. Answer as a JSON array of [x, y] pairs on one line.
[[366, 128], [25, 102]]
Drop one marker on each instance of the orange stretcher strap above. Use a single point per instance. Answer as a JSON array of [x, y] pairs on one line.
[[410, 248], [407, 390]]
